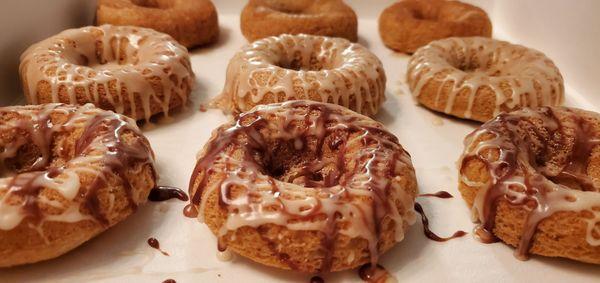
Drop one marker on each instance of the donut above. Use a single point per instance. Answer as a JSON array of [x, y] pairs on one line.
[[264, 18], [67, 173], [191, 22], [409, 24], [289, 67], [532, 178], [478, 78], [307, 186], [133, 71]]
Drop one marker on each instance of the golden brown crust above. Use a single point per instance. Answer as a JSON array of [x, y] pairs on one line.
[[264, 18], [191, 22], [409, 24], [563, 233], [47, 230]]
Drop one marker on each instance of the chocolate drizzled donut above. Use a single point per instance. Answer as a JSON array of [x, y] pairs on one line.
[[71, 172], [533, 180], [306, 186]]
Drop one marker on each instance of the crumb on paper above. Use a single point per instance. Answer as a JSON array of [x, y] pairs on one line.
[[202, 107], [437, 121], [163, 207]]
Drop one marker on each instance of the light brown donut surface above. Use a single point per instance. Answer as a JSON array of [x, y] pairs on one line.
[[264, 18], [130, 70], [478, 78], [67, 174], [318, 68], [409, 24], [306, 186], [190, 22], [532, 178]]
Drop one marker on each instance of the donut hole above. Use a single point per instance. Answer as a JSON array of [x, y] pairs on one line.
[[156, 4], [299, 162], [299, 61]]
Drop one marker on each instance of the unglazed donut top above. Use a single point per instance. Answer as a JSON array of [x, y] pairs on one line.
[[99, 152], [143, 65], [359, 185], [519, 76], [544, 163], [303, 66]]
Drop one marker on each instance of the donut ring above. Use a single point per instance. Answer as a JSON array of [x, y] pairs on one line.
[[264, 18], [306, 186], [68, 174], [133, 71], [532, 178], [289, 67], [478, 78], [410, 24], [191, 22]]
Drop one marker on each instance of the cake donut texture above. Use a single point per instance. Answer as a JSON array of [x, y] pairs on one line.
[[477, 78], [532, 178], [134, 71], [264, 18], [67, 174], [288, 67], [306, 186], [409, 24], [190, 22]]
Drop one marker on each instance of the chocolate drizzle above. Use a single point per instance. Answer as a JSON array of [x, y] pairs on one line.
[[440, 194], [428, 233], [540, 166], [99, 150], [155, 244], [336, 159], [163, 193]]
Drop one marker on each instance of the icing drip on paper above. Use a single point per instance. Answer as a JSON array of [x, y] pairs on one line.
[[518, 76], [118, 68], [291, 67], [320, 193], [99, 151], [541, 167]]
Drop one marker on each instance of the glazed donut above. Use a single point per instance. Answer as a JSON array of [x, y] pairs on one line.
[[264, 18], [134, 71], [410, 24], [288, 67], [477, 78], [532, 178], [190, 22], [307, 186], [67, 174]]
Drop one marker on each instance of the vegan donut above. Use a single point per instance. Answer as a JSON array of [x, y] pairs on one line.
[[264, 18], [130, 70], [409, 24], [68, 173], [190, 22], [532, 178], [303, 185], [318, 68], [478, 78]]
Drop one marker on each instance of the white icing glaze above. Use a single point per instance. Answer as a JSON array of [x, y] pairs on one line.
[[97, 159], [517, 187], [90, 58], [475, 62], [286, 202], [337, 70]]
